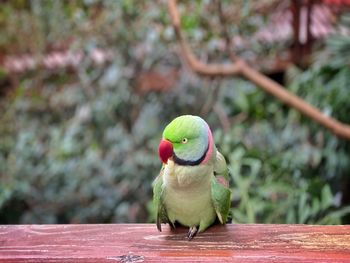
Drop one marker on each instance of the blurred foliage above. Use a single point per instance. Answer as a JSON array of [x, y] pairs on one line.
[[81, 146]]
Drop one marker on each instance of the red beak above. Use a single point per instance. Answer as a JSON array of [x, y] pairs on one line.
[[165, 150]]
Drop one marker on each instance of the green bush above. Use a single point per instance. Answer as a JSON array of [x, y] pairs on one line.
[[82, 146]]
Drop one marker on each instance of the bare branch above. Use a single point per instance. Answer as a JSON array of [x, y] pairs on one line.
[[195, 64], [240, 67]]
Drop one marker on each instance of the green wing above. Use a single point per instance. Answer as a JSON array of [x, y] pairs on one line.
[[220, 167], [220, 191], [161, 215]]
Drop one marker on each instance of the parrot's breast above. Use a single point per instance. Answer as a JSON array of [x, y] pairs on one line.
[[187, 194], [183, 176]]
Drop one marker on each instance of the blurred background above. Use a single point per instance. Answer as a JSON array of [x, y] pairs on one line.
[[87, 86]]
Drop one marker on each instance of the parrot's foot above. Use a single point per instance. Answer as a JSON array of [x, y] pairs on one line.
[[192, 232]]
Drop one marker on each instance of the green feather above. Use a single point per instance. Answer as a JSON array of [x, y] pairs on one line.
[[161, 214], [221, 197], [186, 125], [220, 167], [191, 128], [221, 194]]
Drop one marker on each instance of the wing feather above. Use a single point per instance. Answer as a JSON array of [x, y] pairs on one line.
[[161, 214], [221, 193]]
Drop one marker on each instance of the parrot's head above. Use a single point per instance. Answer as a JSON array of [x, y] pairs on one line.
[[187, 140]]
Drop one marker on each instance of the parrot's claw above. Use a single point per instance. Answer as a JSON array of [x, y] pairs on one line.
[[191, 232]]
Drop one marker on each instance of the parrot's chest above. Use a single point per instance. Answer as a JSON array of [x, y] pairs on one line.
[[187, 194]]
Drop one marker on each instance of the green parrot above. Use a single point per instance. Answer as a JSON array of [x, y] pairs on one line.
[[192, 188]]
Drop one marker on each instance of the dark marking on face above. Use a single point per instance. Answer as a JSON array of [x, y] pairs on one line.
[[180, 161]]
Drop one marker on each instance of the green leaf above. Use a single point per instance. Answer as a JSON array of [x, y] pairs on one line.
[[326, 197]]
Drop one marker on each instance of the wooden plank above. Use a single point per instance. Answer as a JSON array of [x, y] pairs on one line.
[[143, 243]]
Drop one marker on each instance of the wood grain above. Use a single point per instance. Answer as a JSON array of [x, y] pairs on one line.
[[143, 243]]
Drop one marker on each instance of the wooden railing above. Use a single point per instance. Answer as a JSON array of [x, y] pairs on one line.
[[143, 243]]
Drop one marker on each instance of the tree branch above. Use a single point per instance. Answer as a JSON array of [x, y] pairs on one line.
[[195, 64], [240, 67]]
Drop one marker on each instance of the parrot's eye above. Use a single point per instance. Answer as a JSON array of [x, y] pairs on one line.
[[184, 140]]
